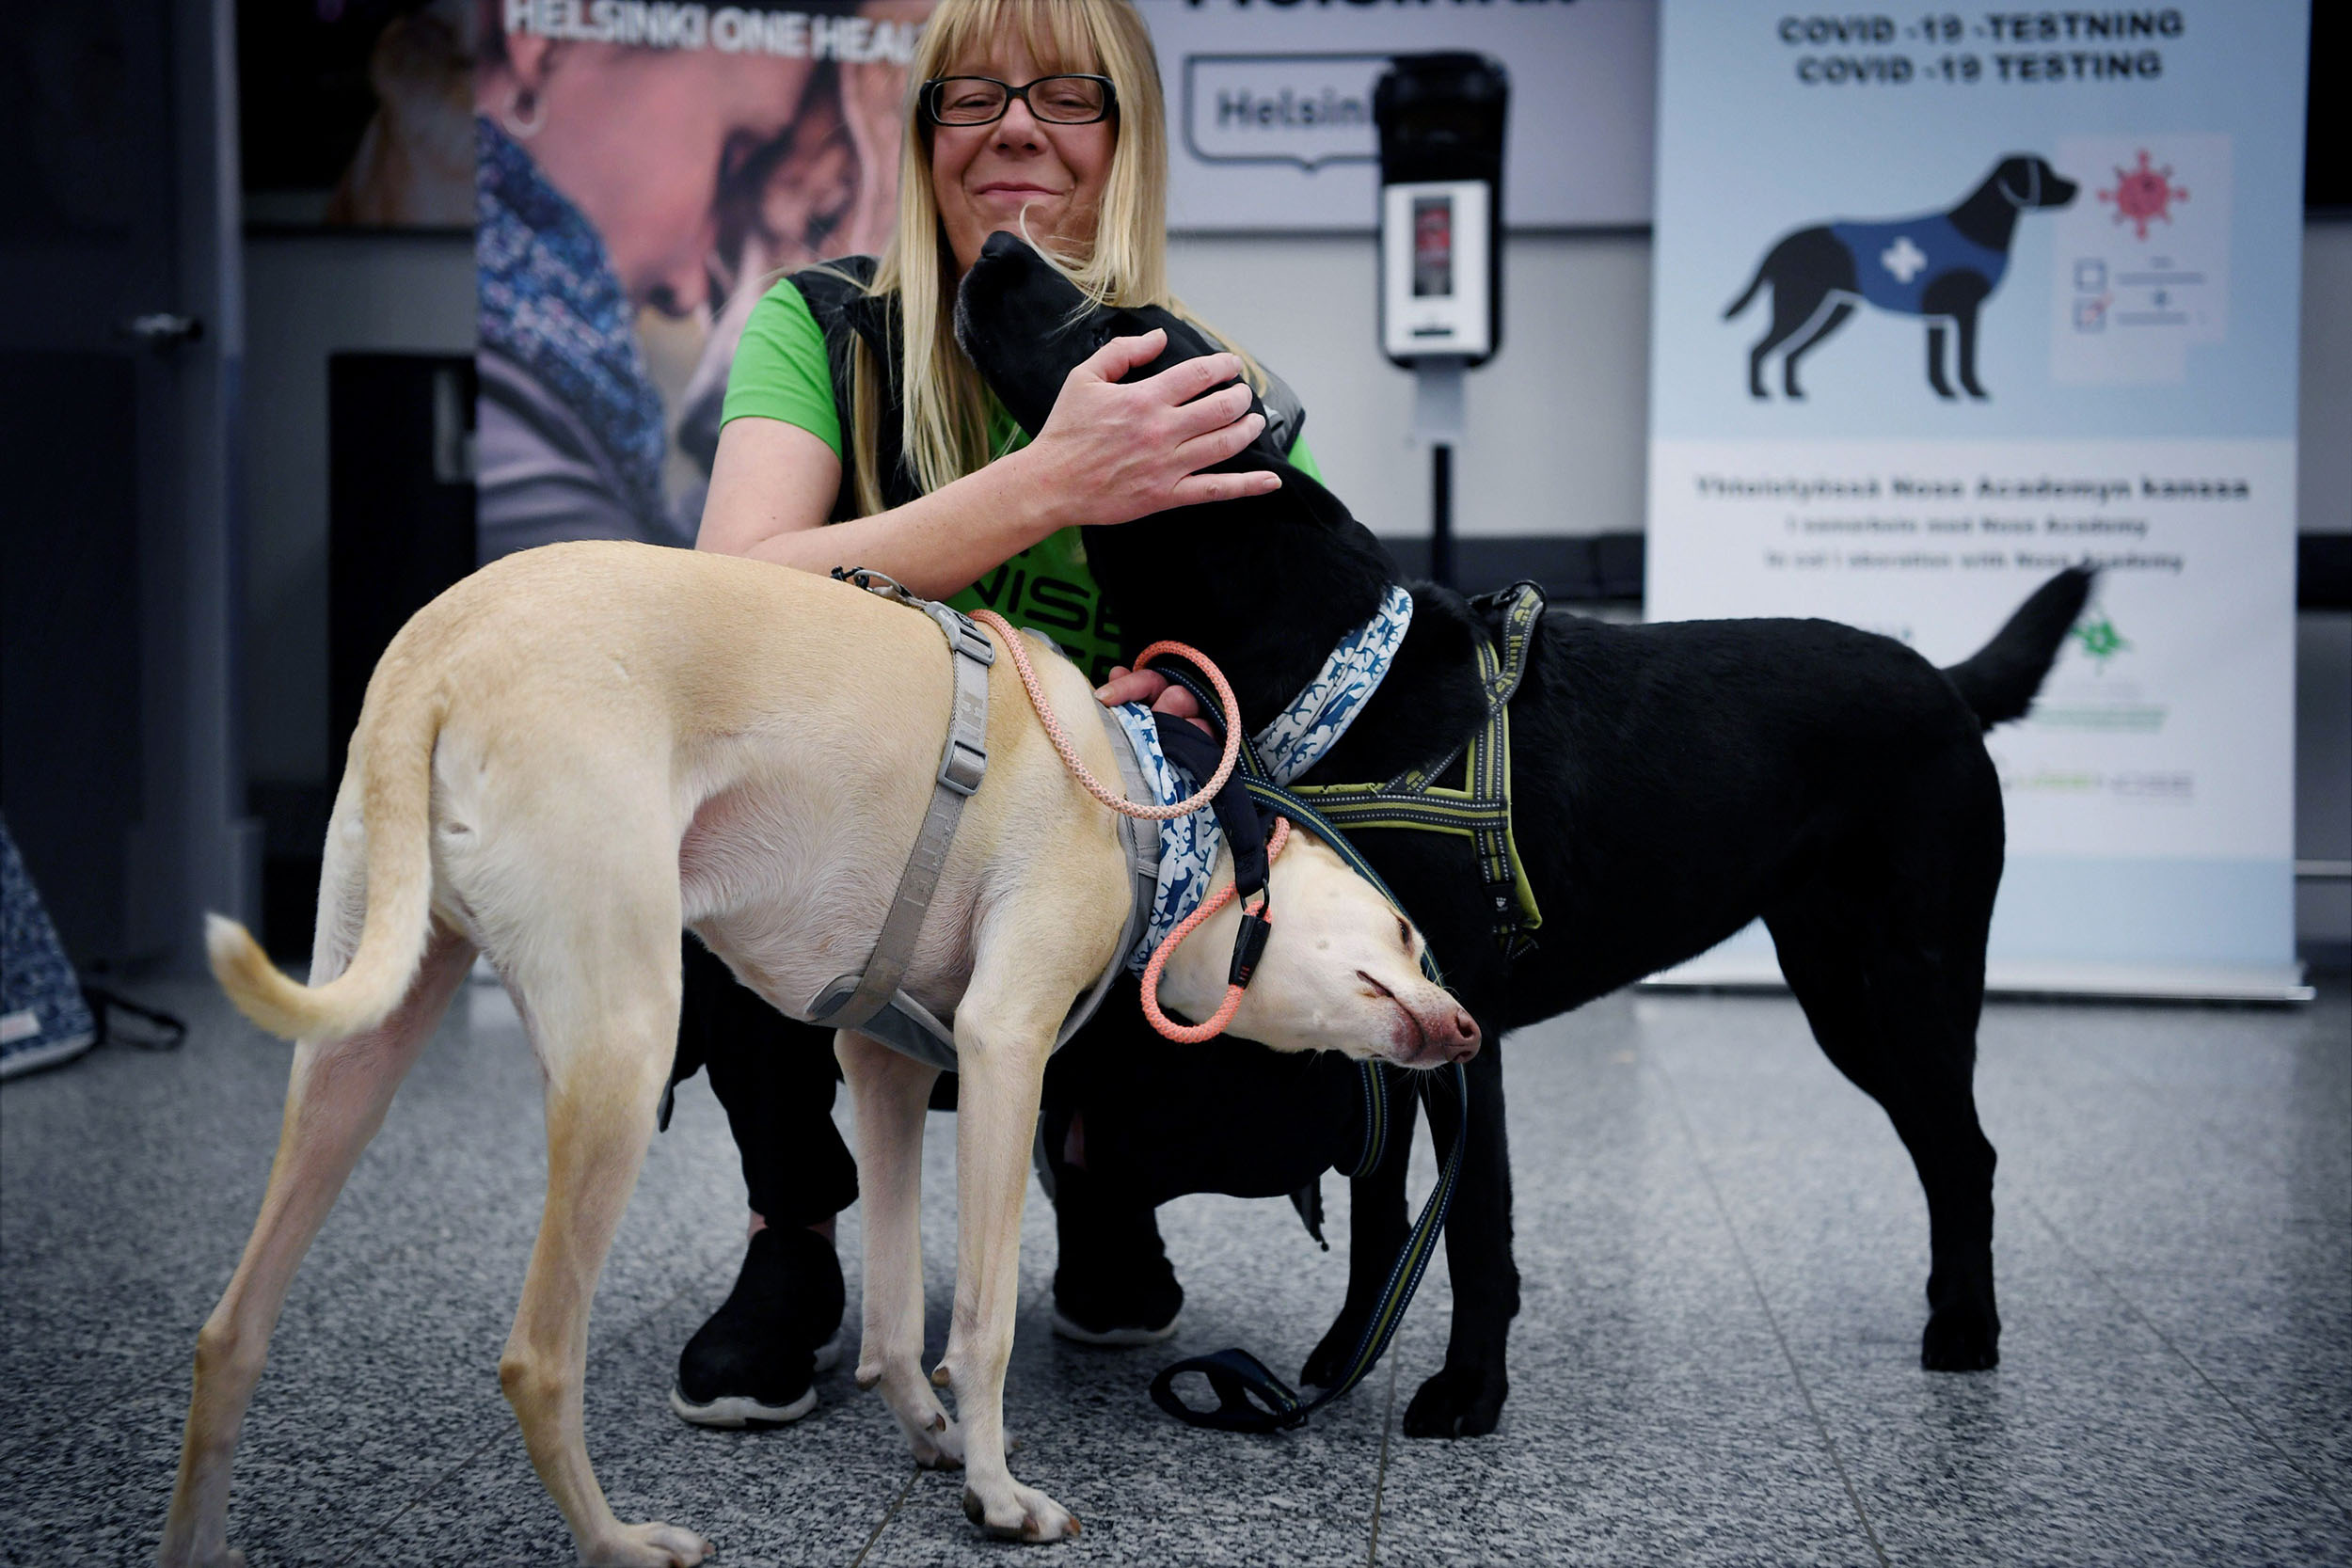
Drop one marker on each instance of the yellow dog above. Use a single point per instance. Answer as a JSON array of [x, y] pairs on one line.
[[581, 748]]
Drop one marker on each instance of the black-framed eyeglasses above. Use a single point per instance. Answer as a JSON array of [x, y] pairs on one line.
[[983, 99]]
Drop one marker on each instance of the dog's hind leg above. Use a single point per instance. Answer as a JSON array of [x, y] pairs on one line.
[[599, 989], [334, 1100], [1897, 1016], [1796, 312], [888, 1093], [1806, 269], [1807, 344]]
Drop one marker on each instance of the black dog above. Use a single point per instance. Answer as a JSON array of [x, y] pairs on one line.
[[1939, 265], [1673, 783]]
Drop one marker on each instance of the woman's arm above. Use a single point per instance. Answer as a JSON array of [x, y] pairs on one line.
[[1108, 453]]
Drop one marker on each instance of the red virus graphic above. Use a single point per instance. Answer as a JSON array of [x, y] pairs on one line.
[[2143, 193]]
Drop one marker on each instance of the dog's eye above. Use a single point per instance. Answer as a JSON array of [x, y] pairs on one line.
[[1405, 932]]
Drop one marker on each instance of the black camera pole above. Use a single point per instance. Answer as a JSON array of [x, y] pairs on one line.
[[1441, 513], [1437, 418]]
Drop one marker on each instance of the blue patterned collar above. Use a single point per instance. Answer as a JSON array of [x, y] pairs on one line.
[[1300, 737], [1304, 732]]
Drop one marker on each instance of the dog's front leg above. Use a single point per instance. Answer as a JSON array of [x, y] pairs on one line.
[[1465, 1397], [889, 1092], [1000, 1059]]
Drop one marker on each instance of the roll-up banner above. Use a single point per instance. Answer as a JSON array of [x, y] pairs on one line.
[[1946, 300]]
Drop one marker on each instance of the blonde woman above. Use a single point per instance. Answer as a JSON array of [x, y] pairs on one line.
[[856, 433]]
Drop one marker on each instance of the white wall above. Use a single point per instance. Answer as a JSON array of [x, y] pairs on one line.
[[1558, 420]]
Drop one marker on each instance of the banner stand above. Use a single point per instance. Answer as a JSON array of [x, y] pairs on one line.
[[1943, 305]]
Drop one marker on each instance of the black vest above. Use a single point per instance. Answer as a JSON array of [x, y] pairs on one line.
[[844, 311]]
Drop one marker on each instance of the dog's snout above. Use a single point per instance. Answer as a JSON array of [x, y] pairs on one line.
[[1457, 1036], [1426, 1036]]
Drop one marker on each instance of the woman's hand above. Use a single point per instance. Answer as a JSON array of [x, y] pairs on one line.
[[1150, 686], [1110, 453]]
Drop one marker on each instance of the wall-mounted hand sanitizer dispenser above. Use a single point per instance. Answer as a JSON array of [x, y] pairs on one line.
[[1441, 119]]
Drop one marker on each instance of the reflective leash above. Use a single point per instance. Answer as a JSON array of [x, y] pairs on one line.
[[1250, 1397], [1250, 942], [1480, 811]]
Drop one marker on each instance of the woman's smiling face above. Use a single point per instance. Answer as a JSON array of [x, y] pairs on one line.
[[985, 177]]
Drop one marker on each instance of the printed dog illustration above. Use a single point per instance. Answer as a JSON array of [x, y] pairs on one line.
[[1939, 265]]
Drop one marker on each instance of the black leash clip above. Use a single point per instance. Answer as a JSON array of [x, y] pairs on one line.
[[881, 583], [1248, 945]]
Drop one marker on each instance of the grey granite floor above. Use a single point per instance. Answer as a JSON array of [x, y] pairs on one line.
[[1723, 1247]]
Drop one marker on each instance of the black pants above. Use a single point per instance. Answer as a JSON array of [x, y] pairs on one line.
[[775, 1079]]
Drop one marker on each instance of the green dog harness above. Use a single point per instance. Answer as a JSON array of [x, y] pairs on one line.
[[1480, 811]]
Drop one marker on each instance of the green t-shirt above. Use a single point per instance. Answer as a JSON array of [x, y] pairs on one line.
[[781, 372]]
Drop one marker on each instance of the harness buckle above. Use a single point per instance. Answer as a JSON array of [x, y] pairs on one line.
[[962, 766], [973, 644]]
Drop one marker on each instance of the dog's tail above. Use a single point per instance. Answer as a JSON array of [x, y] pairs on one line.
[[393, 754], [1742, 303], [1999, 679]]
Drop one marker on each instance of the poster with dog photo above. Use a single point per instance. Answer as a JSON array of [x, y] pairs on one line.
[[643, 174], [1945, 302]]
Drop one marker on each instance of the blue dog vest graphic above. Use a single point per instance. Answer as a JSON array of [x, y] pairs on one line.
[[1894, 263]]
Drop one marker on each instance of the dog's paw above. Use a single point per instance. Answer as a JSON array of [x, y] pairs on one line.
[[653, 1544], [938, 1446], [229, 1557], [1458, 1403], [1011, 1511], [1962, 1339]]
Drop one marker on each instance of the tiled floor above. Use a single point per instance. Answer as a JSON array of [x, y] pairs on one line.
[[1723, 1247]]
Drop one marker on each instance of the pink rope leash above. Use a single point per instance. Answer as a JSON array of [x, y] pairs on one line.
[[1193, 1034], [1183, 1034], [1069, 753]]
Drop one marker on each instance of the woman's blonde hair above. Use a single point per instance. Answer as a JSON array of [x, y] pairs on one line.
[[945, 402]]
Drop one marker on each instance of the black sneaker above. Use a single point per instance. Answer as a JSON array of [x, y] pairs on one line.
[[752, 1364], [1113, 1284]]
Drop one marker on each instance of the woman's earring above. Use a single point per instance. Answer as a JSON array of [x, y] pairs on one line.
[[524, 115]]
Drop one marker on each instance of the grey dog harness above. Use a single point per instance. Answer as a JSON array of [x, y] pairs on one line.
[[870, 1001]]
